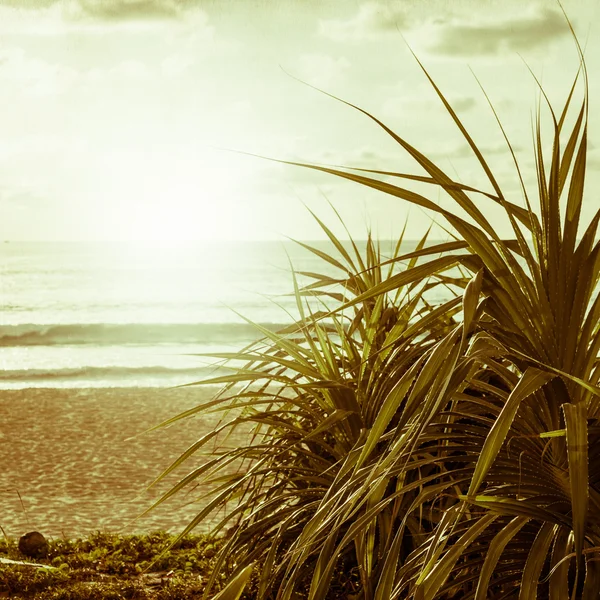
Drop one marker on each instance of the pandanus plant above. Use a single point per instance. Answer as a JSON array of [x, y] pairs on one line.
[[443, 450]]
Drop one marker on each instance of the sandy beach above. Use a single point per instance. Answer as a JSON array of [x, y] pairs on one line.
[[67, 453]]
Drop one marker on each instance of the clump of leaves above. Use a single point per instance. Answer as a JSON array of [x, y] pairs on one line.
[[311, 393], [440, 450]]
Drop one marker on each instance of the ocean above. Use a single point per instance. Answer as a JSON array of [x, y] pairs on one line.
[[92, 338], [91, 315]]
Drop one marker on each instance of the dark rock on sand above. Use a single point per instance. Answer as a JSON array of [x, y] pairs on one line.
[[33, 544]]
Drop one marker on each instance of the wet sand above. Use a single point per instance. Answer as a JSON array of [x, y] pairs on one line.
[[66, 452]]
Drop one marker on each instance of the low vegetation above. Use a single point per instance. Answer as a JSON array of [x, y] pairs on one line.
[[109, 566], [155, 566]]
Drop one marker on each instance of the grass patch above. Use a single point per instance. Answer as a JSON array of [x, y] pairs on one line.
[[155, 566], [107, 566]]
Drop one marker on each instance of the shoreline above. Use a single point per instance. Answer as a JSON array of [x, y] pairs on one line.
[[76, 460]]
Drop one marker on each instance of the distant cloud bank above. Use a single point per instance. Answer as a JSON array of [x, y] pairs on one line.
[[116, 10], [510, 35]]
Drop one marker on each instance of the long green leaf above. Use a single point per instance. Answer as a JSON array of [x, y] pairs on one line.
[[531, 381], [235, 588], [495, 552], [577, 452]]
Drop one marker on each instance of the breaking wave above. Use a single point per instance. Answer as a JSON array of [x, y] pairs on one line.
[[110, 373], [129, 333]]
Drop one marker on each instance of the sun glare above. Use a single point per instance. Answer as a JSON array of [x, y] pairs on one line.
[[177, 202]]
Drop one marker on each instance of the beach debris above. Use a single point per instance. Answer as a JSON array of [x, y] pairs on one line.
[[33, 544], [21, 563], [156, 578]]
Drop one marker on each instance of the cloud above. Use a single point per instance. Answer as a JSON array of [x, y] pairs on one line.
[[362, 157], [321, 70], [593, 159], [44, 150], [128, 70], [19, 196], [371, 20], [59, 17], [127, 10], [366, 157], [463, 104], [176, 65], [107, 9], [394, 107], [509, 35], [464, 151], [33, 75]]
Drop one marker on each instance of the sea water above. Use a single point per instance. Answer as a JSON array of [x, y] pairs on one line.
[[114, 314]]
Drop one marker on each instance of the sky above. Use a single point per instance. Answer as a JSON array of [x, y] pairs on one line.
[[134, 119]]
